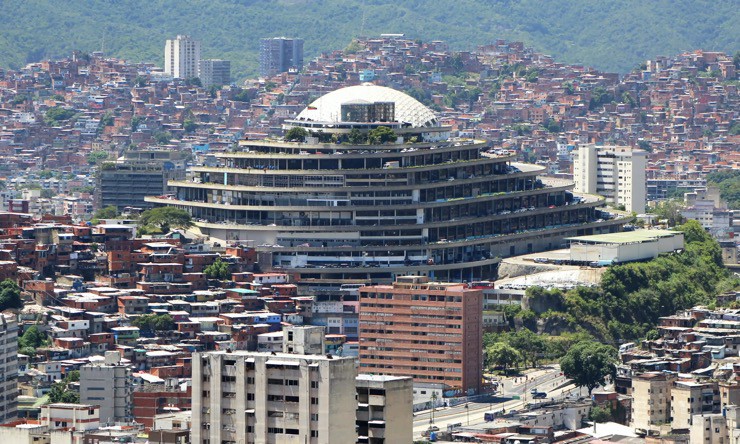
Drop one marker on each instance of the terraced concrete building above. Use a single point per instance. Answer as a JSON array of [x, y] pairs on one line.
[[334, 208]]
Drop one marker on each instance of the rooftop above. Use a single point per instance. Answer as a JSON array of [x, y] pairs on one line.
[[627, 237], [327, 108]]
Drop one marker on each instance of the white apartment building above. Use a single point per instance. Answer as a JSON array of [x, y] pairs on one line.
[[304, 340], [266, 398], [8, 368], [182, 57], [108, 383], [705, 206], [615, 172], [72, 416]]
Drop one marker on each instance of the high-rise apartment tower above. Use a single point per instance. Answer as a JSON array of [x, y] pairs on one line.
[[182, 57], [280, 54]]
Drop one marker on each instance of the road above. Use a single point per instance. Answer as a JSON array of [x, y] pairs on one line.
[[547, 380]]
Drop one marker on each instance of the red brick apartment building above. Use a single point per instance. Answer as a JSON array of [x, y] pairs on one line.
[[431, 331]]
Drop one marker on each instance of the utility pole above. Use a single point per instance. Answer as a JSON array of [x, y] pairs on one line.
[[434, 404]]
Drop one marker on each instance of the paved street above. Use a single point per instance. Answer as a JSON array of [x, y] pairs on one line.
[[546, 380]]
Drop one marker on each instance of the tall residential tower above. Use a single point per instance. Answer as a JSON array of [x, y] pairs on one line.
[[615, 172], [280, 54], [182, 57], [8, 367]]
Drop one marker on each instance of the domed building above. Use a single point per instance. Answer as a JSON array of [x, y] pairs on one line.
[[373, 187]]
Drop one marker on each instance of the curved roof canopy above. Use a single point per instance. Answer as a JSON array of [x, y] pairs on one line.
[[327, 108]]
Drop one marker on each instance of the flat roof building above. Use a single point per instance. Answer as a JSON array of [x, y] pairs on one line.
[[273, 398], [280, 54], [181, 57], [214, 72], [615, 172], [384, 409], [430, 331], [624, 247], [107, 384]]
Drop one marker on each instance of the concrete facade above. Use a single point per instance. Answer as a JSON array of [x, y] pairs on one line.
[[73, 416], [266, 398], [616, 172], [689, 398], [280, 54], [304, 340], [214, 72], [182, 57], [651, 402], [384, 409], [430, 331], [625, 247], [8, 367], [108, 384]]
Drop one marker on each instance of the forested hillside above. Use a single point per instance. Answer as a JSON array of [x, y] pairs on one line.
[[609, 35]]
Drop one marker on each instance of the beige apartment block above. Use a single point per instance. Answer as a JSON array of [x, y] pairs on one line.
[[384, 409], [273, 398], [651, 401], [689, 398]]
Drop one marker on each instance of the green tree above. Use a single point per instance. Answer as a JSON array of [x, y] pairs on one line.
[[10, 295], [164, 218], [140, 81], [218, 270], [652, 335], [60, 391], [47, 193], [109, 212], [95, 157], [213, 90], [33, 338], [296, 134], [194, 81], [189, 125], [600, 414], [356, 137], [380, 135], [162, 137], [57, 114], [552, 125], [599, 96], [530, 345], [528, 319], [353, 47], [244, 96], [589, 363], [154, 322], [107, 119], [135, 122], [669, 210], [502, 354], [728, 182]]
